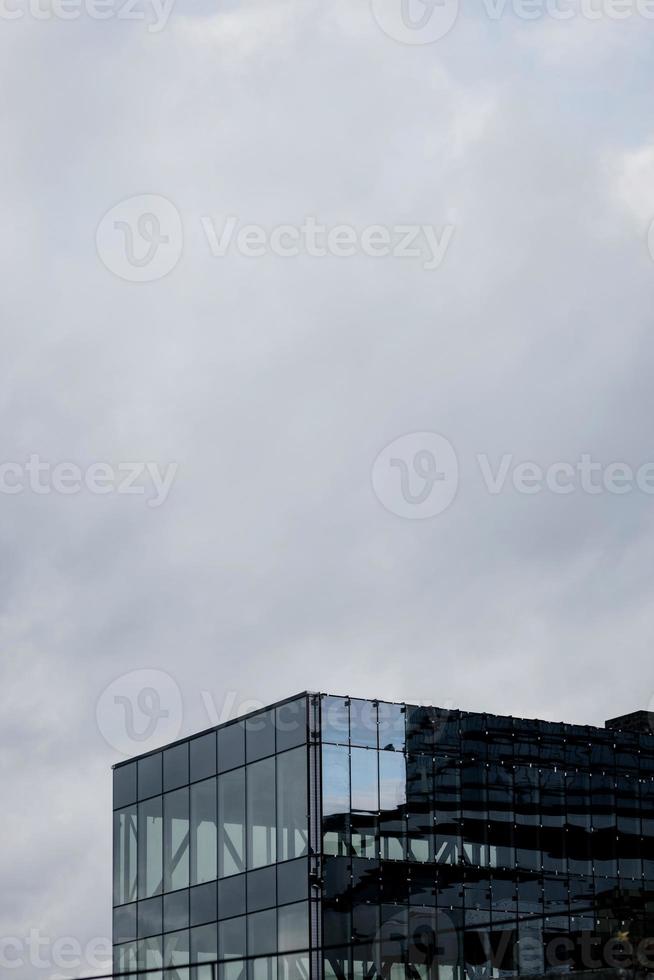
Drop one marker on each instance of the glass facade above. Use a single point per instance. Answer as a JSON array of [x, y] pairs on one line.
[[211, 846], [343, 838]]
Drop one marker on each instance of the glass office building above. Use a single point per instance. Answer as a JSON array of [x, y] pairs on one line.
[[335, 837]]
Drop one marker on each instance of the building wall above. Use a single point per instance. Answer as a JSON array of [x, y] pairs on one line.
[[211, 852], [474, 845]]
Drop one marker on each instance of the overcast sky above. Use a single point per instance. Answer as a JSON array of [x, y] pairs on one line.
[[283, 557]]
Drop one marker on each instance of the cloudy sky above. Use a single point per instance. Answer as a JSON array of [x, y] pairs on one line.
[[293, 549]]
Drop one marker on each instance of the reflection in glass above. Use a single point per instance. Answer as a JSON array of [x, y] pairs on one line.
[[365, 781], [292, 830], [150, 848], [204, 832], [176, 840], [363, 723], [125, 840], [231, 822], [261, 826]]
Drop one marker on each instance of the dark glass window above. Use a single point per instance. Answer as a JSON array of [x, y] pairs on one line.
[[150, 917], [292, 881], [293, 927], [335, 720], [260, 736], [419, 729], [204, 907], [125, 855], [231, 746], [150, 954], [124, 785], [291, 724], [261, 889], [204, 949], [150, 847], [292, 821], [363, 723], [177, 951], [175, 766], [262, 932], [231, 822], [391, 721], [125, 923], [231, 897], [176, 840], [365, 780], [203, 757], [261, 820], [204, 831], [231, 938], [176, 911], [149, 776]]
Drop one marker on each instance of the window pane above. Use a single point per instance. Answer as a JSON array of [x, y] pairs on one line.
[[203, 904], [150, 917], [203, 756], [149, 776], [231, 938], [175, 766], [124, 785], [293, 927], [176, 840], [392, 781], [231, 822], [231, 897], [335, 779], [363, 723], [125, 855], [176, 948], [365, 792], [335, 720], [262, 933], [260, 736], [392, 726], [150, 954], [261, 889], [204, 944], [291, 724], [292, 831], [176, 911], [204, 832], [292, 881], [150, 849], [231, 747], [261, 836], [124, 924]]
